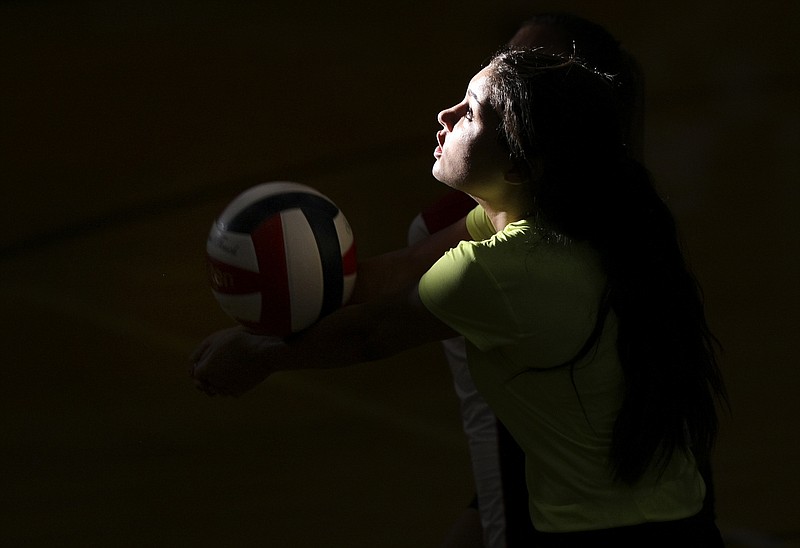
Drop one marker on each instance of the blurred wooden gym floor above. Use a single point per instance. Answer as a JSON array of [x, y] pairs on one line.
[[127, 127]]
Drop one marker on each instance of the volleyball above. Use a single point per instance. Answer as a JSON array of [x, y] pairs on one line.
[[280, 257]]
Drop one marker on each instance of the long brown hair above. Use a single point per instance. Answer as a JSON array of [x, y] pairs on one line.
[[562, 125]]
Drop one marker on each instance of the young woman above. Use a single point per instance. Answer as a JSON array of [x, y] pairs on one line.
[[585, 330], [497, 517]]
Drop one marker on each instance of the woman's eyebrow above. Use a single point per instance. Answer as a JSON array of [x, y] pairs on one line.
[[472, 94]]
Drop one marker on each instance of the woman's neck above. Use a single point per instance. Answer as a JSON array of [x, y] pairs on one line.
[[502, 216]]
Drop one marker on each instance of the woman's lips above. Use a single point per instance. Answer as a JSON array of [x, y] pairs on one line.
[[437, 153]]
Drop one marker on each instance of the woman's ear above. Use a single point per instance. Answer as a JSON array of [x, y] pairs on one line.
[[521, 173], [514, 177]]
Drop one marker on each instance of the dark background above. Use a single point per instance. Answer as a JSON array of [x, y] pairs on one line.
[[126, 126]]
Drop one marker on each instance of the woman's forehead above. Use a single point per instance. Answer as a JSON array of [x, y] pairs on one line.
[[479, 85]]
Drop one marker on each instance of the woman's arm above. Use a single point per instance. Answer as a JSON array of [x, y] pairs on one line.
[[233, 361], [384, 317], [391, 272]]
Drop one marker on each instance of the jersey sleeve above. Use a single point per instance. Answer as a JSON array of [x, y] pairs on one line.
[[465, 296]]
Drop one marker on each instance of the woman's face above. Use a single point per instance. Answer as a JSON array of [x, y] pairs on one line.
[[469, 156]]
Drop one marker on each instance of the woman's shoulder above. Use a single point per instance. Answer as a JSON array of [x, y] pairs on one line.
[[521, 249]]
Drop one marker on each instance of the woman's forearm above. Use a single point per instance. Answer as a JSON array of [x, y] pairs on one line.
[[365, 332], [398, 270]]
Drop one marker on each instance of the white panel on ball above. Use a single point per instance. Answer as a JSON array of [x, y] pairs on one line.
[[232, 248], [304, 269]]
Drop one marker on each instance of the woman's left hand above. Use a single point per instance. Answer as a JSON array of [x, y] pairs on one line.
[[232, 361]]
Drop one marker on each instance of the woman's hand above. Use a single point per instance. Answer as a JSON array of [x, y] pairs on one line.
[[232, 361]]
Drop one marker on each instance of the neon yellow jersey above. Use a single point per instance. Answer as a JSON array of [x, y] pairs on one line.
[[526, 306]]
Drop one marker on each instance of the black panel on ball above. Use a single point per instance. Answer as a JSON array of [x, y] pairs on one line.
[[254, 214]]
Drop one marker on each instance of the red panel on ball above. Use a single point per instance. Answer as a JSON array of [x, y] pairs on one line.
[[349, 261], [276, 314], [231, 280]]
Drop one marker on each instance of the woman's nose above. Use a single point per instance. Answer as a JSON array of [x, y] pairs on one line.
[[445, 118]]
